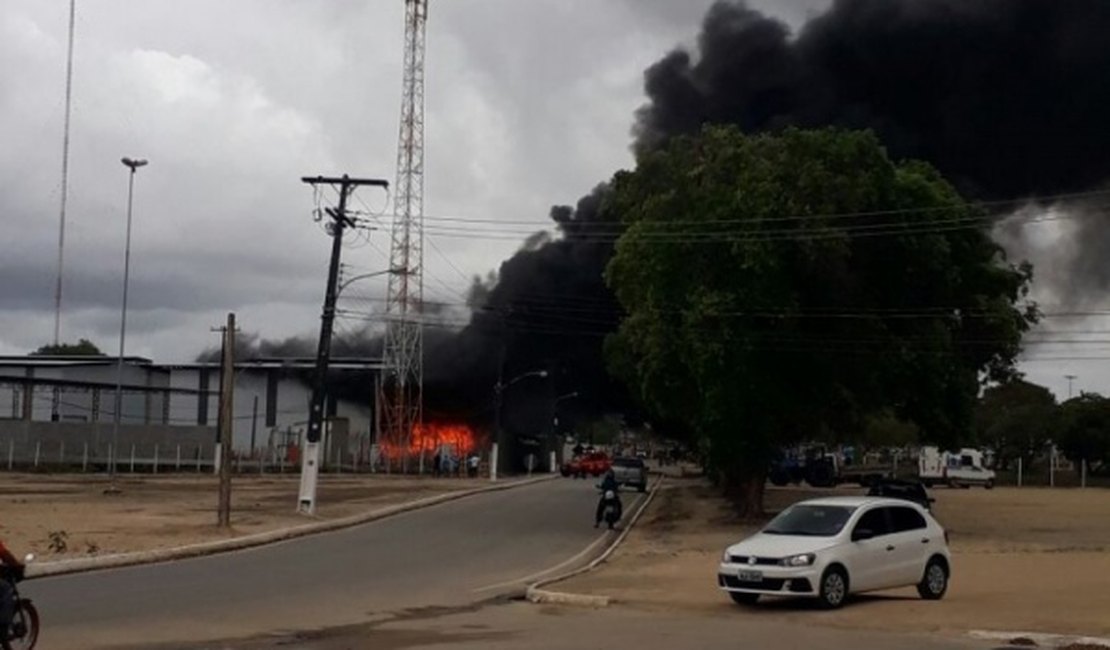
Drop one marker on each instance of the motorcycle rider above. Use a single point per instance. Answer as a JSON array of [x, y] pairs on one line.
[[10, 565], [609, 483]]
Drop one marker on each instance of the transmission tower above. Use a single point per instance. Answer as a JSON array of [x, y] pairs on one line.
[[402, 399]]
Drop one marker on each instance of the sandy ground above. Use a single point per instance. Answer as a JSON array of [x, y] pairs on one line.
[[160, 512], [1033, 560]]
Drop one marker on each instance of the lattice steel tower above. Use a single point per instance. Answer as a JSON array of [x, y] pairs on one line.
[[402, 386]]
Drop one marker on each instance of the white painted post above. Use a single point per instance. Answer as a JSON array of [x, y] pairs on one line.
[[1020, 461], [553, 468], [177, 467], [38, 448], [281, 463], [493, 463], [85, 459], [132, 458], [155, 459], [11, 453], [216, 460]]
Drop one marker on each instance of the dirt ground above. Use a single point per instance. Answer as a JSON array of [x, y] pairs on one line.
[[1033, 560], [36, 511]]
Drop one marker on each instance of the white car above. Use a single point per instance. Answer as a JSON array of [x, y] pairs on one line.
[[830, 548]]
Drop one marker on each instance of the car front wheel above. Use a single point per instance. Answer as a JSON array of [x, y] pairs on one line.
[[834, 588], [744, 599], [934, 583]]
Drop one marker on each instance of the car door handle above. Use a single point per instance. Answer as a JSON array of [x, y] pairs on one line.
[[890, 548], [925, 540]]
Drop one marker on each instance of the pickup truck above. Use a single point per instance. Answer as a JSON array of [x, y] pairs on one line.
[[592, 464], [631, 472]]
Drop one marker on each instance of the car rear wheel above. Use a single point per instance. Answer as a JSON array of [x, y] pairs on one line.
[[934, 583], [834, 588], [743, 598]]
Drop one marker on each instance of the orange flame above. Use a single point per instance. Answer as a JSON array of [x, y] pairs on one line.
[[430, 437]]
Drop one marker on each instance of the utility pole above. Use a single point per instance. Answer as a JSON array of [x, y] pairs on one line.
[[227, 396], [310, 457], [1070, 379], [254, 423]]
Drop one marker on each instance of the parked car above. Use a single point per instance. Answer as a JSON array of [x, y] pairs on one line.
[[631, 472], [909, 490], [830, 548], [591, 464]]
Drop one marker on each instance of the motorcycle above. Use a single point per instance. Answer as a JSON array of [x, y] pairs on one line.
[[23, 632], [611, 508]]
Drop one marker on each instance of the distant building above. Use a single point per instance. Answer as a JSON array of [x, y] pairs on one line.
[[169, 401]]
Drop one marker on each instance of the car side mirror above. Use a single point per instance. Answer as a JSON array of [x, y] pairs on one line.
[[862, 534]]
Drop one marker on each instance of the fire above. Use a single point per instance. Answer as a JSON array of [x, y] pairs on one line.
[[430, 437]]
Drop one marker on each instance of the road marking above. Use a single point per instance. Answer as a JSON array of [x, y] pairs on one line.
[[578, 556]]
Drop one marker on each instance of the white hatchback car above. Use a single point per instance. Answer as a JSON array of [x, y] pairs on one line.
[[830, 548]]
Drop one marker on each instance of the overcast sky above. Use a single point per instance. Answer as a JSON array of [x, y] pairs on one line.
[[529, 104]]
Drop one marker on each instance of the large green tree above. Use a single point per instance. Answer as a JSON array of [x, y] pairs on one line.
[[781, 285], [1016, 419]]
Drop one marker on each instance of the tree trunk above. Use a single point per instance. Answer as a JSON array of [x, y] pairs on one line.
[[745, 491]]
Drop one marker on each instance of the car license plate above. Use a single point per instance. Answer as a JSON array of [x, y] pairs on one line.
[[750, 576]]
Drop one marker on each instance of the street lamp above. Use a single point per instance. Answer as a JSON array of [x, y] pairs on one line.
[[133, 164], [364, 276], [1070, 379], [499, 390], [555, 404]]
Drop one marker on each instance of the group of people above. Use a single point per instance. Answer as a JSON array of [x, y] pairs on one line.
[[448, 465]]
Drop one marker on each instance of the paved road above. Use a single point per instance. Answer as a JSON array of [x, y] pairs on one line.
[[518, 626], [455, 554]]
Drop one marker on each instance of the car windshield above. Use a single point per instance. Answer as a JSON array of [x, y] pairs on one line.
[[810, 521]]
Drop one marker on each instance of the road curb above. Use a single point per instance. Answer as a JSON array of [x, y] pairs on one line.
[[1041, 639], [83, 565], [537, 594]]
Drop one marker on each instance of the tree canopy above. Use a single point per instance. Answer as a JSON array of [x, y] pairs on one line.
[[83, 348], [1085, 431], [780, 285], [1016, 419]]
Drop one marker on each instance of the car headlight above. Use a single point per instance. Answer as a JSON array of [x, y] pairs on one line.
[[806, 559], [726, 557]]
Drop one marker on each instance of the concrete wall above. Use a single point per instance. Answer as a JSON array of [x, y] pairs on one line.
[[66, 442]]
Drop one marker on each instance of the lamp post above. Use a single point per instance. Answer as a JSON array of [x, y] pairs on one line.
[[499, 390], [1070, 379], [133, 164]]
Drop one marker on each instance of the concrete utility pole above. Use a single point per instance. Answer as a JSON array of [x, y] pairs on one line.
[[310, 456], [1070, 379], [227, 397]]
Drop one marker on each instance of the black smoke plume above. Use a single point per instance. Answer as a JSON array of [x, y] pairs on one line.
[[1006, 97]]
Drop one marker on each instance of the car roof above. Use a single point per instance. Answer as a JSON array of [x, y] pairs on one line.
[[855, 502]]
